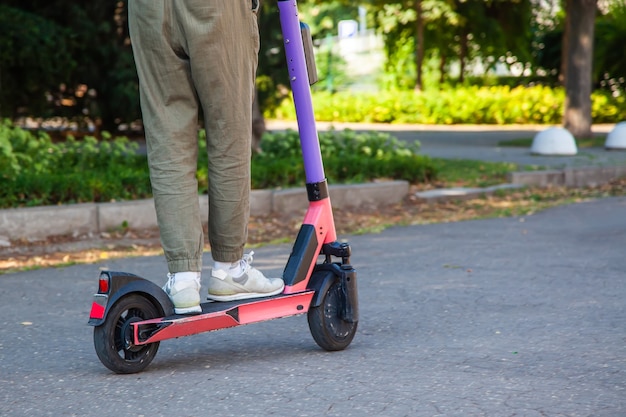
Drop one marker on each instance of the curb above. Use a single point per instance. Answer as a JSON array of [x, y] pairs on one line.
[[570, 177], [38, 223], [462, 193]]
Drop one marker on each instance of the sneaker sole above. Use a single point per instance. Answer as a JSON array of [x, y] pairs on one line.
[[244, 295], [188, 310]]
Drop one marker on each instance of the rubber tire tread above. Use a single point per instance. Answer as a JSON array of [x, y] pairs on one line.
[[104, 336], [324, 319]]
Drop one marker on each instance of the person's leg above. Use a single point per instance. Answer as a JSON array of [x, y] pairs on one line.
[[224, 53], [170, 112]]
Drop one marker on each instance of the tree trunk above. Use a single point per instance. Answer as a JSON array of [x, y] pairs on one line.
[[578, 78], [419, 45]]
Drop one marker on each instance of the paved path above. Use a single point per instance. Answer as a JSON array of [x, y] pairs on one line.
[[503, 317]]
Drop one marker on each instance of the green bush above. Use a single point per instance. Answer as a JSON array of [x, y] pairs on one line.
[[607, 109], [36, 171], [467, 105], [20, 150], [348, 157]]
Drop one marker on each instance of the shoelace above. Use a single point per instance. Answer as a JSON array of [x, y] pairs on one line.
[[171, 280], [246, 261], [168, 284]]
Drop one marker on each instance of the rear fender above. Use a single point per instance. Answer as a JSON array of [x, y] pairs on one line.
[[122, 284]]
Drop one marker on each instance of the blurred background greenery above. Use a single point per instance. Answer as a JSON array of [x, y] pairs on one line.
[[69, 64]]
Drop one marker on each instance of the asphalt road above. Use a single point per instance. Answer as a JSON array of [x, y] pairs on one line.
[[503, 317]]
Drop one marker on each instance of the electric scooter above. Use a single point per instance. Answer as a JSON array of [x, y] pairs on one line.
[[132, 315]]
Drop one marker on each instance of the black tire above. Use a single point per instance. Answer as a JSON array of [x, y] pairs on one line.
[[329, 331], [112, 339]]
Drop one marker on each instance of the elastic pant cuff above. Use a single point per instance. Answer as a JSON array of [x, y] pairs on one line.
[[226, 255], [184, 265]]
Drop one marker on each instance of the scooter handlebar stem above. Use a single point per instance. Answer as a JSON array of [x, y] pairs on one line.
[[299, 80]]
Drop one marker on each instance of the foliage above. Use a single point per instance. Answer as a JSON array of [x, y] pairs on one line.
[[36, 171], [323, 17], [272, 79], [610, 50], [396, 23], [35, 57], [73, 59], [348, 157], [453, 31], [549, 53], [75, 56], [469, 105], [500, 29], [331, 69]]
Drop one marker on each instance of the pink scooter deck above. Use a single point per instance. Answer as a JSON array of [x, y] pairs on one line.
[[221, 315]]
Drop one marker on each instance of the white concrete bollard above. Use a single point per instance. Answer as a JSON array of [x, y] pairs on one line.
[[616, 139], [554, 141]]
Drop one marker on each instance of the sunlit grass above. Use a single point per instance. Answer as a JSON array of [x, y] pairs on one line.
[[595, 142], [470, 173]]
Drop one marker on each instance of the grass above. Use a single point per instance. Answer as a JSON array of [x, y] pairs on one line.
[[468, 173], [594, 142]]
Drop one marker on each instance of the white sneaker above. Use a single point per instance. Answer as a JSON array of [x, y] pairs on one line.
[[249, 283], [183, 288]]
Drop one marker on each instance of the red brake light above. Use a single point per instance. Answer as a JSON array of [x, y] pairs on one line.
[[103, 284]]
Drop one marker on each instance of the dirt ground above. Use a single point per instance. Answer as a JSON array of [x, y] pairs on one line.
[[67, 250]]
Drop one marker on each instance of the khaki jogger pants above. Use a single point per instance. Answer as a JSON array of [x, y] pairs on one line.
[[193, 54]]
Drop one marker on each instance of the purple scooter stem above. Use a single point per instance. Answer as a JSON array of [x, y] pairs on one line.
[[298, 77]]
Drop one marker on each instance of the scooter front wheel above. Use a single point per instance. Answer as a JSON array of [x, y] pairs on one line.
[[113, 339], [327, 327]]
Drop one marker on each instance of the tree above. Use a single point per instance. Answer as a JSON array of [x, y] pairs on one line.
[[412, 29], [610, 50], [35, 58], [461, 29], [272, 76], [74, 57], [578, 41], [494, 30]]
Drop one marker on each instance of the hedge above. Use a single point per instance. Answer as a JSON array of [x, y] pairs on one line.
[[467, 105]]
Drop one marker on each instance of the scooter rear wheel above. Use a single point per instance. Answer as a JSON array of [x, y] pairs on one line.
[[113, 339], [327, 327]]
